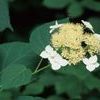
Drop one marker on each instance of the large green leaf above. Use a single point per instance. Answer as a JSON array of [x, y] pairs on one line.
[[17, 52], [57, 4], [4, 15], [40, 37], [15, 76], [75, 10]]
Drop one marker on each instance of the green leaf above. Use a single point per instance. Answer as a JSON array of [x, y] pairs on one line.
[[15, 76], [29, 98], [40, 37], [17, 52], [57, 4], [48, 78], [95, 21], [34, 88], [79, 71], [5, 95], [92, 82], [92, 4], [75, 10], [67, 85], [4, 15]]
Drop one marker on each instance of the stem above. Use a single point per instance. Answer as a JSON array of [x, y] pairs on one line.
[[36, 71], [38, 65]]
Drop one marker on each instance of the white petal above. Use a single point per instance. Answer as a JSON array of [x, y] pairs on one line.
[[44, 54], [87, 24], [60, 60], [53, 54], [97, 65], [97, 36], [64, 62], [86, 61], [51, 30], [48, 49], [55, 66], [93, 59], [53, 27], [58, 25], [90, 67], [56, 22]]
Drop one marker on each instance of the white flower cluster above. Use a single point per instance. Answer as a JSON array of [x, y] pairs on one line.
[[56, 59], [91, 63]]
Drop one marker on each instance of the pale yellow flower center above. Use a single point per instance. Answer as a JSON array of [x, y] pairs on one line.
[[68, 39]]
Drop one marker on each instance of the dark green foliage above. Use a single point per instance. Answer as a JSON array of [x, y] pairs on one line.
[[17, 52], [57, 4], [4, 15], [5, 95], [23, 20], [15, 76]]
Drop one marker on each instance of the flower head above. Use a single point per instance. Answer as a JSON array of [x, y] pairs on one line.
[[55, 59], [68, 40], [91, 63], [74, 44]]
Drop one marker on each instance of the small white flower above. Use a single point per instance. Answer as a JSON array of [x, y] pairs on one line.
[[88, 25], [91, 63], [53, 27], [97, 36], [55, 59]]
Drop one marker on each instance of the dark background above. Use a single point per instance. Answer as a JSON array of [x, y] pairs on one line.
[[27, 14]]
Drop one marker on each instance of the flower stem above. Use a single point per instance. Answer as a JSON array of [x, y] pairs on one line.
[[38, 65], [36, 71]]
